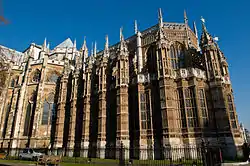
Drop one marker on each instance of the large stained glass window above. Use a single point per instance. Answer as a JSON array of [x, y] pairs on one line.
[[177, 57], [49, 110]]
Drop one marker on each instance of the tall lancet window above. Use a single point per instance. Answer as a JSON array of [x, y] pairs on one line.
[[180, 56], [36, 76], [231, 111], [173, 58], [181, 107], [27, 119], [203, 108], [6, 119], [49, 110], [190, 107]]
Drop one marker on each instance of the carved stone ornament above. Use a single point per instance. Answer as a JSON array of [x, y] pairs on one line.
[[32, 97], [114, 70]]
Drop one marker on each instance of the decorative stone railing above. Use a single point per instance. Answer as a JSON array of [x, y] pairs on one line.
[[190, 72], [39, 61]]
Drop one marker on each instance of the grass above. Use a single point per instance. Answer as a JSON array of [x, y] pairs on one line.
[[80, 161]]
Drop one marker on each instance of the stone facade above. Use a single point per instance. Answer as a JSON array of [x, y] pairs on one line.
[[160, 87]]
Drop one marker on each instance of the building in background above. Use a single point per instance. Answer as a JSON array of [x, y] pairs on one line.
[[245, 133], [160, 87]]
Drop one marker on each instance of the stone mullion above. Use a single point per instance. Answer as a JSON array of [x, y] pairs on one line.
[[61, 113]]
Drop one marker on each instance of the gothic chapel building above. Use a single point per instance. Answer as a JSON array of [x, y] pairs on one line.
[[160, 87]]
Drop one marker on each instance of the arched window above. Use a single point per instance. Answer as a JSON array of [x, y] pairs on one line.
[[177, 57], [45, 116], [36, 76], [151, 60], [173, 58], [27, 119], [12, 84], [49, 110], [180, 56], [6, 119]]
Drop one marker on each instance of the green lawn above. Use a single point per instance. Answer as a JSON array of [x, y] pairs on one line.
[[72, 161]]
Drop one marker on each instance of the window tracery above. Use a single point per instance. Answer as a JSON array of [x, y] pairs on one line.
[[49, 110], [181, 108], [36, 76], [177, 56], [203, 107], [190, 107]]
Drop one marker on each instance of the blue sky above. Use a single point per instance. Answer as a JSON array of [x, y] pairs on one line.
[[32, 21]]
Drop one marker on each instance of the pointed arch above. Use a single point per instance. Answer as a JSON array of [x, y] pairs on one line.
[[8, 108], [49, 109], [36, 76], [151, 59], [177, 55], [27, 119], [12, 83], [180, 55]]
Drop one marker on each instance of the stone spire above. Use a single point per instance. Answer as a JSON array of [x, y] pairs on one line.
[[136, 28], [92, 49], [74, 43], [123, 46], [185, 18], [196, 35], [84, 46], [195, 29], [45, 44], [138, 50], [95, 49], [106, 49], [48, 46], [160, 19], [121, 35], [206, 38]]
